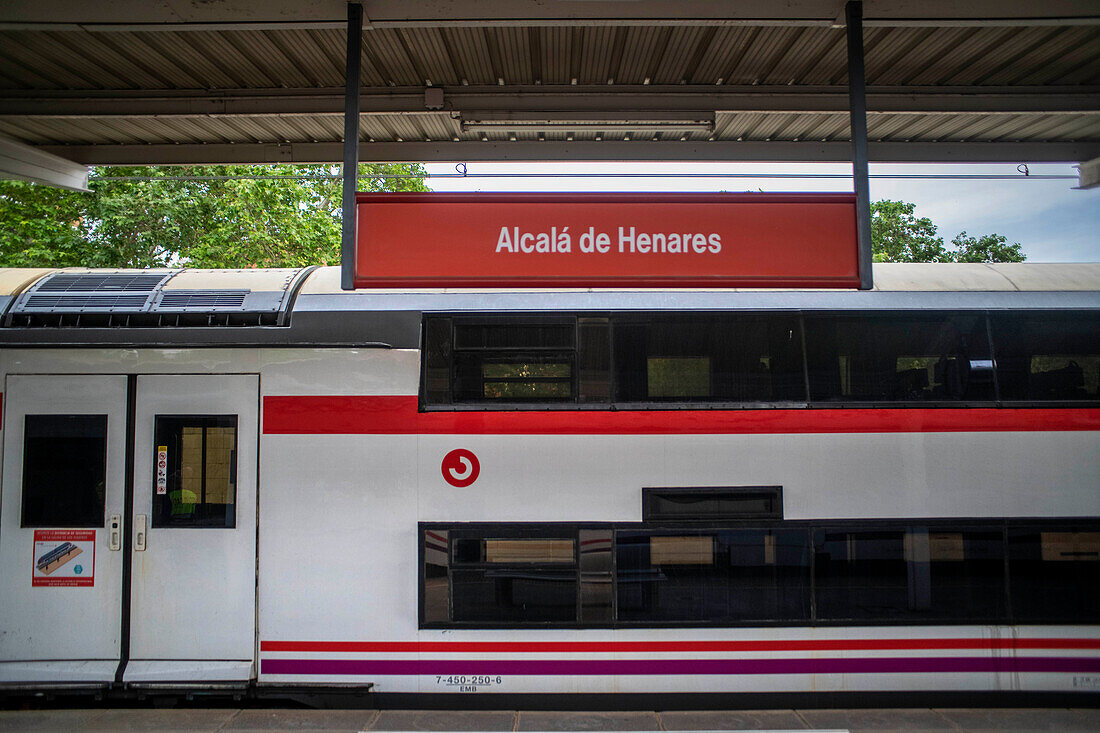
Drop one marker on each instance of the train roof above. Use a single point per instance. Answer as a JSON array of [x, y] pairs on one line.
[[305, 306]]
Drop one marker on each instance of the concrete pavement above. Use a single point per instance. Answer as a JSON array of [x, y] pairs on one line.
[[205, 720]]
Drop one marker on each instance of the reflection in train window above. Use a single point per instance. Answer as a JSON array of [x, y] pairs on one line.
[[506, 362], [730, 575], [711, 358], [887, 358], [520, 579], [64, 470], [916, 573], [826, 573], [436, 593], [1047, 357], [194, 481], [1055, 575]]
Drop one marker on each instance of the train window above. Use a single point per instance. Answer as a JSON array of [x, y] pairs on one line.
[[507, 362], [708, 358], [1047, 357], [711, 504], [64, 470], [894, 358], [1055, 574], [496, 551], [920, 573], [593, 360], [596, 576], [437, 361], [505, 576], [722, 576], [195, 471], [436, 589]]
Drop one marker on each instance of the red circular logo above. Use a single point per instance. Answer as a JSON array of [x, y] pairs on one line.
[[460, 468]]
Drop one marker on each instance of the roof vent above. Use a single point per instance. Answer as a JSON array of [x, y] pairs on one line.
[[67, 298], [115, 282], [157, 299], [184, 300], [84, 301]]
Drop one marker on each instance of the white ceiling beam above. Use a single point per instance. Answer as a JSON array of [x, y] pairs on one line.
[[668, 150], [134, 15], [27, 163], [1088, 174], [637, 101]]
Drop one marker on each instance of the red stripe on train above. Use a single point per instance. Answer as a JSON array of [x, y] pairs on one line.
[[534, 647], [398, 415]]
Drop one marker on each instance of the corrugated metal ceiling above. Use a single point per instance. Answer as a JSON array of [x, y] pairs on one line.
[[82, 65], [707, 55]]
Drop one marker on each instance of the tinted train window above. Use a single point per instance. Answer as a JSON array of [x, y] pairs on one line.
[[713, 503], [921, 573], [503, 578], [64, 470], [597, 575], [1054, 574], [436, 590], [730, 575], [486, 362], [195, 471], [508, 575], [708, 358], [1047, 357], [898, 358]]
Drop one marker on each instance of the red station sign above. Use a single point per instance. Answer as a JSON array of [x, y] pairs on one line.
[[606, 240]]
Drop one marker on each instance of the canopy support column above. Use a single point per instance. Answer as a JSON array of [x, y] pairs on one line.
[[857, 108], [351, 145]]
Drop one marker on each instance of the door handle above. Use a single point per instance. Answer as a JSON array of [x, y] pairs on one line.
[[141, 531], [114, 533]]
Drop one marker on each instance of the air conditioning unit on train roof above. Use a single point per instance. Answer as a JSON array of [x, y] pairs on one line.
[[156, 298]]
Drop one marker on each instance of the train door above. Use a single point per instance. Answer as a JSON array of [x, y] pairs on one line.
[[128, 529], [192, 614], [61, 559]]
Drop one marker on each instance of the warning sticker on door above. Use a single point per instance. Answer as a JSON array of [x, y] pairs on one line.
[[162, 469], [64, 557]]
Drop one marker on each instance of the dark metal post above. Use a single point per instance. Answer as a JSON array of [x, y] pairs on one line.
[[857, 108], [351, 145]]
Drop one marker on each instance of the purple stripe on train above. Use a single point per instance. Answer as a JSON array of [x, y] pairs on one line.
[[873, 665]]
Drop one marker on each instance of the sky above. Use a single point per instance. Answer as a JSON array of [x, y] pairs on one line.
[[1051, 221]]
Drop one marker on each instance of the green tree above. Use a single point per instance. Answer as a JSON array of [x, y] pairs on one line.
[[986, 248], [899, 235], [42, 226], [196, 216]]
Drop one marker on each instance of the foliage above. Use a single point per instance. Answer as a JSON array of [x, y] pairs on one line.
[[986, 248], [898, 235], [198, 216], [224, 216], [42, 226]]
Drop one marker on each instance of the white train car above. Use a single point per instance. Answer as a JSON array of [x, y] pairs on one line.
[[253, 481]]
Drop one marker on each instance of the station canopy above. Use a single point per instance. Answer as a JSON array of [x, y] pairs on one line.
[[167, 81]]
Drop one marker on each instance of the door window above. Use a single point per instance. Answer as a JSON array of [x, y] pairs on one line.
[[64, 470], [195, 471]]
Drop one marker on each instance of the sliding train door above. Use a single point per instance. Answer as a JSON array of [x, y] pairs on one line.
[[192, 614], [61, 558], [133, 558]]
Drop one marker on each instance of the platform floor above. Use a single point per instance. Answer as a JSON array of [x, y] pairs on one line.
[[197, 720]]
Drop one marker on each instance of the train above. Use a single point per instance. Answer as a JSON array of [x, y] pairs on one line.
[[269, 485]]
